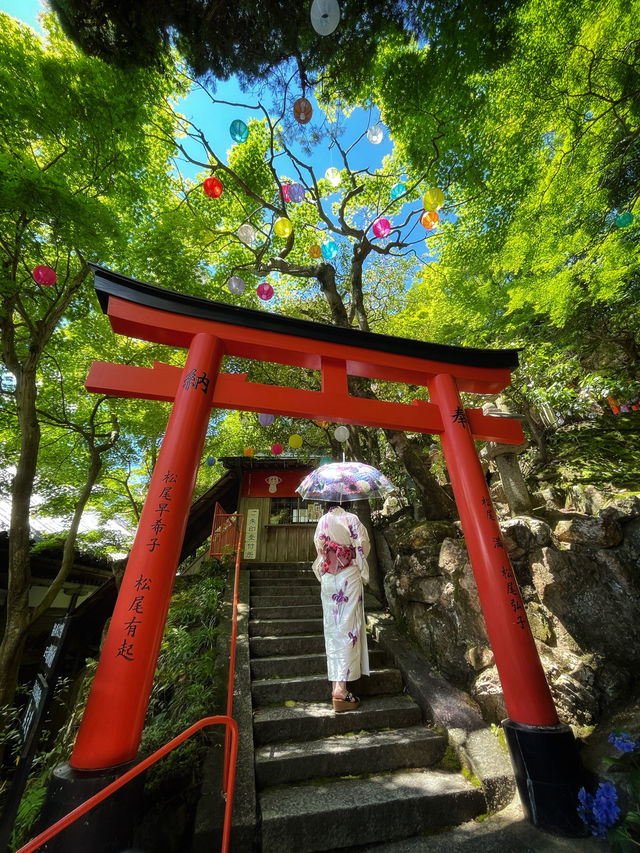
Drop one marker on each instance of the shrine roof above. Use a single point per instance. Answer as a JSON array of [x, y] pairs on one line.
[[112, 284]]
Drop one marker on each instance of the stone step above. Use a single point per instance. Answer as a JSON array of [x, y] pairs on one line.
[[349, 812], [288, 611], [262, 567], [284, 627], [284, 583], [307, 595], [304, 664], [312, 720], [282, 572], [297, 644], [348, 755], [316, 688]]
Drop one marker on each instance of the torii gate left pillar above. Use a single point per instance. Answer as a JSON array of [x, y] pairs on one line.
[[543, 751]]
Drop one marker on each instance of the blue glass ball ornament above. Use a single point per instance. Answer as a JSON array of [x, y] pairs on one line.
[[266, 420], [236, 285], [397, 190], [8, 382], [624, 220], [329, 250], [210, 460], [239, 131]]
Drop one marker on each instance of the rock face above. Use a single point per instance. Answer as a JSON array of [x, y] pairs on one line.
[[579, 575]]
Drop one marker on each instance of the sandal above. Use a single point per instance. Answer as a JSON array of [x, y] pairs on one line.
[[349, 703]]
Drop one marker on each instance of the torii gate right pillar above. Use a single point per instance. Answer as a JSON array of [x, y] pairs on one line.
[[543, 751]]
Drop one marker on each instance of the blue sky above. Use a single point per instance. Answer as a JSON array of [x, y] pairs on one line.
[[215, 120]]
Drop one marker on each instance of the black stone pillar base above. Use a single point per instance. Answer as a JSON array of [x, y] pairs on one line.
[[549, 773], [106, 828]]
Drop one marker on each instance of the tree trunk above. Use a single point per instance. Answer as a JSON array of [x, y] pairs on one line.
[[436, 504]]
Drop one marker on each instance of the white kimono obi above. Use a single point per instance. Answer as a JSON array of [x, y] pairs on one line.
[[341, 567]]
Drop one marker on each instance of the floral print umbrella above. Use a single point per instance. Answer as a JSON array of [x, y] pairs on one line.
[[341, 482]]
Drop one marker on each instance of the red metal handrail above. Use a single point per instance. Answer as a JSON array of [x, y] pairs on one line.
[[230, 726], [226, 535]]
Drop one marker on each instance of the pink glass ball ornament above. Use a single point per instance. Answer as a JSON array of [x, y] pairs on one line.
[[284, 192], [265, 291], [44, 275], [212, 187], [236, 285], [266, 420], [381, 227], [276, 449]]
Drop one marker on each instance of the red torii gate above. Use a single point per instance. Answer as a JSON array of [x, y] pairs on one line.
[[112, 725]]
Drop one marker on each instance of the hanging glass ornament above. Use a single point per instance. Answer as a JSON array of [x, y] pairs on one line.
[[284, 192], [333, 176], [315, 251], [210, 460], [325, 16], [236, 285], [8, 382], [239, 131], [341, 433], [433, 199], [624, 220], [296, 193], [265, 291], [375, 134], [302, 111], [282, 226], [266, 420], [430, 219], [295, 441], [397, 190], [277, 449], [246, 234], [248, 451], [44, 275], [212, 187], [329, 250], [381, 227]]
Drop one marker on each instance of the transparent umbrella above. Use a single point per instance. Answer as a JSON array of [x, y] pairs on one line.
[[341, 482]]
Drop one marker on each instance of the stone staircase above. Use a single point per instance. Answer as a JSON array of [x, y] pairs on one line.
[[329, 781]]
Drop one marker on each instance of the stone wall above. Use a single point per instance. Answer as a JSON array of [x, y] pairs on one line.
[[579, 573]]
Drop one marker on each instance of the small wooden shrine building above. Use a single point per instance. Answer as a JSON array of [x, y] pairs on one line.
[[279, 525]]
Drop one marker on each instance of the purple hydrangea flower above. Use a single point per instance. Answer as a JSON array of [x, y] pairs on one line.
[[601, 812], [623, 742]]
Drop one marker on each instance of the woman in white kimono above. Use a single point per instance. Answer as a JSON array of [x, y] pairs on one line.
[[341, 567]]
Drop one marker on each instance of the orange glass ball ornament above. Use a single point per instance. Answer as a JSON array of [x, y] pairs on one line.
[[302, 111], [248, 451], [315, 251], [430, 219]]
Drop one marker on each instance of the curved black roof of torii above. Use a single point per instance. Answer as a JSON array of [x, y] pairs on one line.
[[108, 283]]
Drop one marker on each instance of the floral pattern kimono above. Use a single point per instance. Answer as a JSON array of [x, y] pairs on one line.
[[341, 567]]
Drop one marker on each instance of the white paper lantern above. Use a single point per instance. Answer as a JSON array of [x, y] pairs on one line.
[[325, 16]]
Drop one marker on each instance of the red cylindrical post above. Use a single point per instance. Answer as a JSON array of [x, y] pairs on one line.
[[526, 692], [112, 723]]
